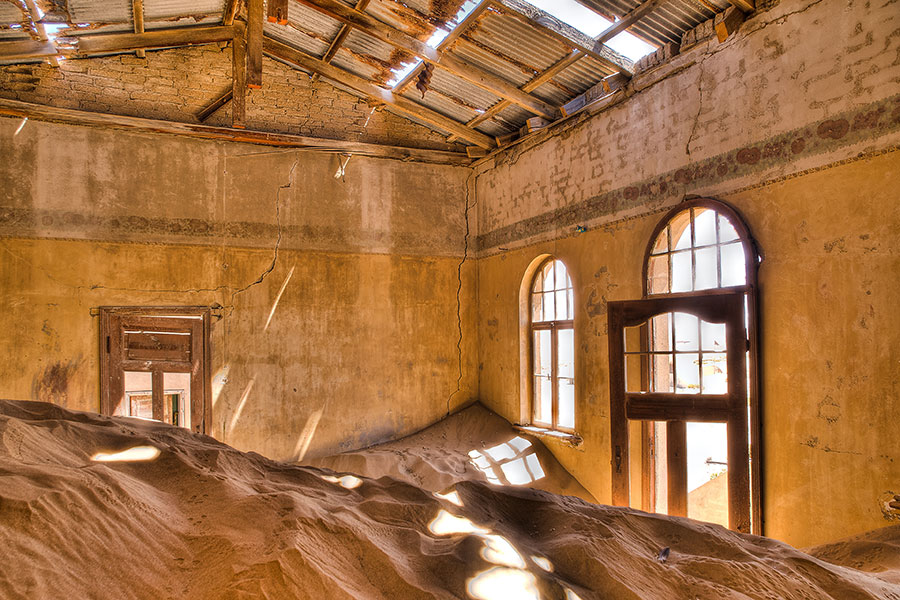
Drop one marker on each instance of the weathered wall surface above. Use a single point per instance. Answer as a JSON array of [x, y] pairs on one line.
[[796, 122], [176, 84], [363, 340]]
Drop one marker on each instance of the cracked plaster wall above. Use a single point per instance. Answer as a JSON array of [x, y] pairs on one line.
[[366, 331], [795, 121]]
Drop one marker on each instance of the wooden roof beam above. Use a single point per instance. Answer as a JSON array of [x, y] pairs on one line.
[[372, 91], [39, 112], [459, 67], [543, 21], [446, 43], [341, 37], [37, 28], [157, 38], [239, 76], [231, 9], [137, 11], [254, 43], [27, 49], [747, 6]]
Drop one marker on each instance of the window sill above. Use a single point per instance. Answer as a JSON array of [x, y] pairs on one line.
[[569, 439]]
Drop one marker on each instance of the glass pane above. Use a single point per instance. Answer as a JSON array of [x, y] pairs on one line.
[[538, 286], [634, 336], [565, 353], [687, 370], [548, 276], [549, 310], [537, 307], [662, 242], [682, 276], [177, 403], [687, 332], [707, 458], [658, 275], [543, 399], [706, 268], [733, 266], [562, 309], [570, 303], [660, 472], [704, 227], [633, 372], [715, 373], [562, 277], [681, 231], [661, 338], [542, 352], [727, 232], [566, 413], [712, 336], [662, 373], [138, 395]]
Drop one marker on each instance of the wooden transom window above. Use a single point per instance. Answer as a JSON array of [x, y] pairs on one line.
[[553, 347], [683, 392]]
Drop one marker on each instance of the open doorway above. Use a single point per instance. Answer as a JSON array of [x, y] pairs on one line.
[[155, 364]]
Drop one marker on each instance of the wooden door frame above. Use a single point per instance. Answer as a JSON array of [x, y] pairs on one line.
[[113, 319]]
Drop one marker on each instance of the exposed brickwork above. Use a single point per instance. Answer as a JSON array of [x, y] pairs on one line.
[[176, 84]]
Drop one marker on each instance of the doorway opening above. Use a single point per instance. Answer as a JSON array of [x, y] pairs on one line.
[[155, 364]]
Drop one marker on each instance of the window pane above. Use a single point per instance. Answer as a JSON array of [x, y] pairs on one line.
[[549, 310], [733, 265], [662, 373], [682, 276], [662, 242], [138, 400], [704, 227], [177, 398], [570, 302], [712, 336], [542, 352], [633, 379], [562, 310], [537, 307], [706, 269], [660, 465], [715, 373], [566, 412], [727, 232], [562, 277], [658, 275], [681, 231], [538, 284], [661, 338], [543, 399], [686, 332], [707, 458], [548, 276], [687, 370], [565, 353]]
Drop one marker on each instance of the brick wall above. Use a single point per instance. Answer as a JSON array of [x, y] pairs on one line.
[[176, 84]]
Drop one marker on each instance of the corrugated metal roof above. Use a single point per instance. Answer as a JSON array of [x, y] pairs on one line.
[[668, 22]]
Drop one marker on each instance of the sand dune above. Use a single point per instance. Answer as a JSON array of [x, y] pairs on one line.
[[182, 515]]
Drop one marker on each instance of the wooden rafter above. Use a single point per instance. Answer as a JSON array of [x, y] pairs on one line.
[[37, 28], [446, 43], [254, 43], [372, 91], [39, 112], [26, 49], [746, 6], [238, 76], [231, 9], [157, 38], [137, 10], [459, 67], [340, 38], [215, 105]]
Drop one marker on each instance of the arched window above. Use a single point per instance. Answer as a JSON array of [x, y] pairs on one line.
[[552, 347], [683, 363]]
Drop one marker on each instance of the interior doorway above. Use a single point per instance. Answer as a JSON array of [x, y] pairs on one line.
[[155, 364]]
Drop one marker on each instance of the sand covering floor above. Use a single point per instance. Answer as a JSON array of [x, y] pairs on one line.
[[203, 520]]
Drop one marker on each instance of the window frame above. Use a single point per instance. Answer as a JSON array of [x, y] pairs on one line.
[[554, 327], [719, 304]]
